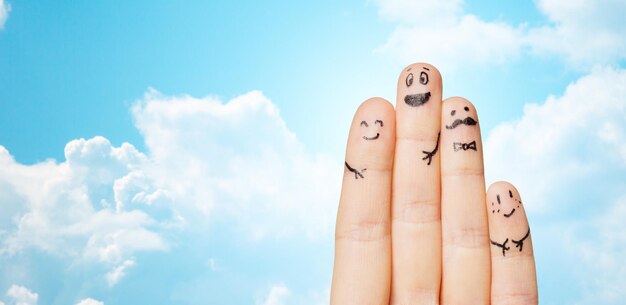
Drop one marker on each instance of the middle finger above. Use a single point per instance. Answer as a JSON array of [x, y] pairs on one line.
[[415, 203]]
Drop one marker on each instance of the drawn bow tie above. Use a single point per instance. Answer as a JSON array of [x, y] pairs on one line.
[[464, 146]]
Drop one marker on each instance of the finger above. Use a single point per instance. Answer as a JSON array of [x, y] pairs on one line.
[[466, 256], [513, 278], [362, 238], [416, 221]]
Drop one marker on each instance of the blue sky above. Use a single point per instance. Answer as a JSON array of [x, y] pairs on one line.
[[194, 151]]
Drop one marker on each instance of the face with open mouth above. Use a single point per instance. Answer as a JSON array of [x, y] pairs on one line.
[[469, 121], [503, 209], [366, 125], [419, 98]]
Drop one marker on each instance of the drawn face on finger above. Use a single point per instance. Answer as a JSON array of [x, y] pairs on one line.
[[461, 117], [417, 81], [371, 132], [506, 207]]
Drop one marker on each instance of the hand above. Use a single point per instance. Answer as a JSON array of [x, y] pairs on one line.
[[415, 225]]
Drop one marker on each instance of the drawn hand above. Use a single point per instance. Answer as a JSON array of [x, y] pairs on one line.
[[415, 230]]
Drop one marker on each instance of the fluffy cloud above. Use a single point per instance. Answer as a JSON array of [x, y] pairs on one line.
[[440, 33], [22, 295], [568, 140], [573, 142], [467, 40], [206, 160], [65, 209], [5, 8], [585, 33], [237, 159], [89, 301]]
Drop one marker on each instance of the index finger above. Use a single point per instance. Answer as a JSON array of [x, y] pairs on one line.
[[363, 235]]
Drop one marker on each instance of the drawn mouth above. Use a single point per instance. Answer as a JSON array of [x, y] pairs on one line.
[[509, 215], [467, 121], [418, 99], [372, 138]]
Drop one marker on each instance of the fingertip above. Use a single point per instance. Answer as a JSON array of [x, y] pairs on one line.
[[460, 106], [375, 106], [502, 186], [372, 134], [376, 115]]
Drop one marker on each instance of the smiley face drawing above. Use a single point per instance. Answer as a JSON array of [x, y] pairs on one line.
[[503, 210], [419, 98], [507, 209], [469, 121], [366, 125]]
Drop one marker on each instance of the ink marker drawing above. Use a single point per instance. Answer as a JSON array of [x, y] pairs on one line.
[[417, 99], [430, 154], [502, 245], [467, 121], [464, 146], [520, 243], [364, 123], [356, 172]]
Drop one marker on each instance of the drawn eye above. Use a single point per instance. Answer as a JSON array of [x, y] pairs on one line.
[[364, 123], [452, 112], [409, 80], [423, 78], [466, 108], [378, 122]]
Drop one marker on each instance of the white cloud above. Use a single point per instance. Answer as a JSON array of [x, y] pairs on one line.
[[441, 33], [585, 33], [22, 295], [277, 295], [89, 301], [206, 160], [64, 208], [5, 8], [466, 40], [237, 159], [564, 141], [115, 275]]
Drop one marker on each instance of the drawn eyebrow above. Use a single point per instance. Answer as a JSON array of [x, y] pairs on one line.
[[379, 121], [409, 69], [498, 197], [364, 123], [425, 68]]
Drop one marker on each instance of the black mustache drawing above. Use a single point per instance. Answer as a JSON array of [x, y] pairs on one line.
[[417, 99], [467, 121]]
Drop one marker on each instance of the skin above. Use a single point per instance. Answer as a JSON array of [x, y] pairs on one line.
[[409, 232]]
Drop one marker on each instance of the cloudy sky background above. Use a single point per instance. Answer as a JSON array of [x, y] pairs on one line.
[[161, 153]]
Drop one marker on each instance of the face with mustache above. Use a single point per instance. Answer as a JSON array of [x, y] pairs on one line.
[[469, 121], [420, 76]]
